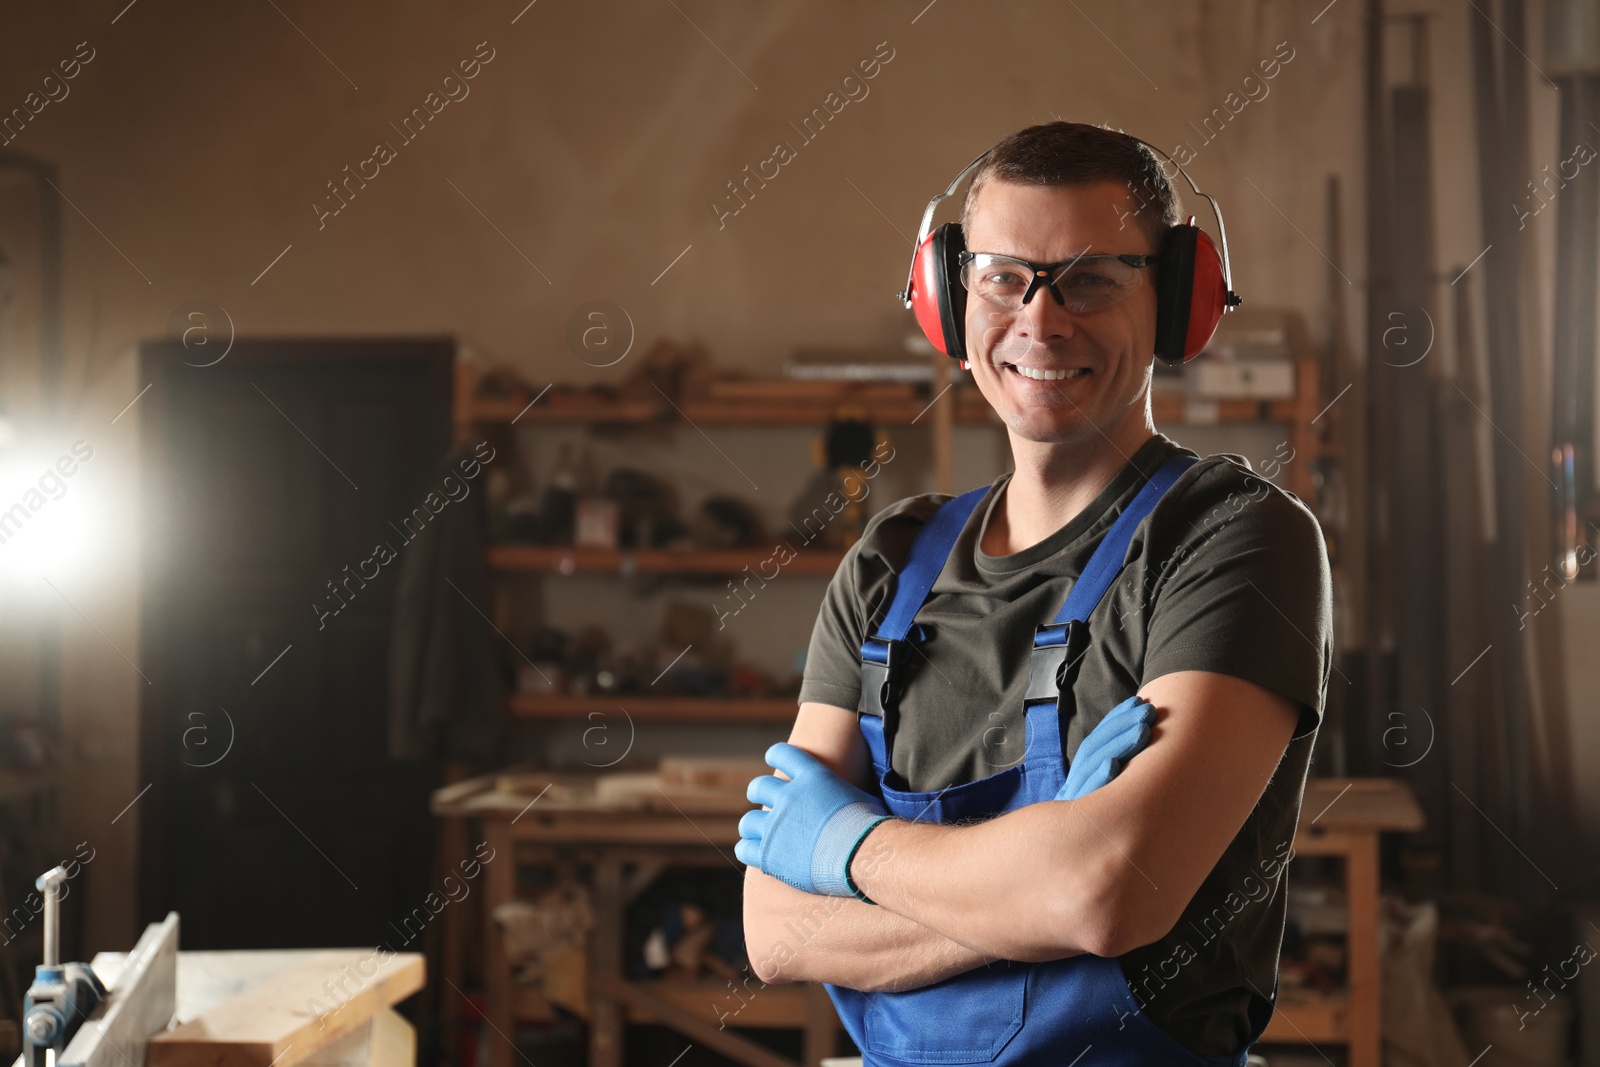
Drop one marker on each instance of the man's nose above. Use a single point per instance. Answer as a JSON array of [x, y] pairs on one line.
[[1043, 317]]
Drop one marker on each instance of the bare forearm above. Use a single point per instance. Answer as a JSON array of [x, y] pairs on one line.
[[1001, 886], [801, 937]]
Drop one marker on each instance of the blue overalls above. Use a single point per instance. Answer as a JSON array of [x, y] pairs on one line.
[[1077, 1010]]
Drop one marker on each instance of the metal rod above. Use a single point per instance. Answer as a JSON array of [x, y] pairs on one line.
[[50, 883]]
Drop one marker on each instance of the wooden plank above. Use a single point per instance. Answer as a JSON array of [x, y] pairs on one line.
[[715, 1003], [605, 965], [1364, 976], [387, 1040], [144, 997], [602, 828], [739, 1049], [500, 887], [644, 791], [731, 772], [293, 1014], [660, 709], [1359, 804], [822, 1025], [393, 1042]]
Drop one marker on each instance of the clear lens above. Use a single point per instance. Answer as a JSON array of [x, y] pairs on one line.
[[1088, 283]]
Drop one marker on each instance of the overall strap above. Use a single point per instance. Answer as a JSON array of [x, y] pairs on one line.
[[883, 653], [1106, 563], [1058, 646]]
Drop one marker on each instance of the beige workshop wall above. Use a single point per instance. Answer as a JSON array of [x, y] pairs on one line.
[[584, 164]]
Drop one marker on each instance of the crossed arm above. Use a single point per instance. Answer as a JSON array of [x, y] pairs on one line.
[[1103, 874]]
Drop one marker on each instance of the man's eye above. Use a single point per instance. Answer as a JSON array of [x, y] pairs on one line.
[[1089, 280], [1002, 278]]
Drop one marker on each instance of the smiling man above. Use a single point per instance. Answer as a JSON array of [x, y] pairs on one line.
[[1042, 789]]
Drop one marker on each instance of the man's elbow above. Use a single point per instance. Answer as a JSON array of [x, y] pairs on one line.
[[1130, 928], [761, 925], [779, 925], [1110, 913]]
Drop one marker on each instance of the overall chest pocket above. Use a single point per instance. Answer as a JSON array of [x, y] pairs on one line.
[[967, 1018]]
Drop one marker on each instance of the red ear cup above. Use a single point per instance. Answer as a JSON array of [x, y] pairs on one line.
[[1208, 296], [937, 296], [1191, 293]]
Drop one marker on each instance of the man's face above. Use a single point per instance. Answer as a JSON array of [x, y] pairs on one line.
[[1109, 349]]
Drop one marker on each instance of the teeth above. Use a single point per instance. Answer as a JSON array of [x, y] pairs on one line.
[[1047, 375]]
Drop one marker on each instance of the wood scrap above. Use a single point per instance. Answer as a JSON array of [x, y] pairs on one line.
[[711, 771], [298, 1012]]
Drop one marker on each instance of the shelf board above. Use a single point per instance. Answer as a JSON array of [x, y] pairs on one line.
[[660, 709], [1171, 407], [566, 409], [1177, 408], [564, 559]]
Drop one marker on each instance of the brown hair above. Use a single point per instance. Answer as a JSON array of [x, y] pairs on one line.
[[1075, 153]]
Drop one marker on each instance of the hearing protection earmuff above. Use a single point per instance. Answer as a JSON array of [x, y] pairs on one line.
[[1194, 282]]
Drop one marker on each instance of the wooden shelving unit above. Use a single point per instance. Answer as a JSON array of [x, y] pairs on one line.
[[971, 408], [967, 407], [1336, 1019]]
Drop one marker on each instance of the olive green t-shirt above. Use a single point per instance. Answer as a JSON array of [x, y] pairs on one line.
[[1227, 574]]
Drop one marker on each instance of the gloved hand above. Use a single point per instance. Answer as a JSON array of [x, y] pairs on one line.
[[816, 823], [1121, 735]]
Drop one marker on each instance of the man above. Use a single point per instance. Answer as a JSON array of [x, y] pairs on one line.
[[977, 879]]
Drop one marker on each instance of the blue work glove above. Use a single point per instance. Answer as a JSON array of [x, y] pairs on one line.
[[1121, 735], [816, 823]]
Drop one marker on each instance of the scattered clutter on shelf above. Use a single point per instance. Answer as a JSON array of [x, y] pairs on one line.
[[848, 455], [688, 659], [687, 941], [627, 509], [665, 372]]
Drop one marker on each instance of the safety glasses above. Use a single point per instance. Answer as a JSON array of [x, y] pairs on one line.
[[1082, 284]]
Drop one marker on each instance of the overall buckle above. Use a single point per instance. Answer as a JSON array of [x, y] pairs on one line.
[[1058, 648], [881, 667]]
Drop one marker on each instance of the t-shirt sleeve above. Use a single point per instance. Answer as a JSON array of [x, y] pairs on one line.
[[832, 672], [1248, 594]]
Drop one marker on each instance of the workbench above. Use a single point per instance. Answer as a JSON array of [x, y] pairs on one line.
[[1343, 817], [266, 1008], [1339, 817], [627, 850]]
